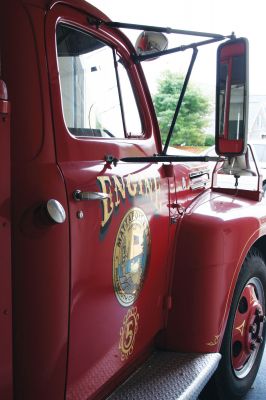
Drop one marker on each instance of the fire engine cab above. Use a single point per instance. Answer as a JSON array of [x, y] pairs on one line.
[[125, 272]]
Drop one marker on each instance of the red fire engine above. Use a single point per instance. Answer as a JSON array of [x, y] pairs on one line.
[[125, 272]]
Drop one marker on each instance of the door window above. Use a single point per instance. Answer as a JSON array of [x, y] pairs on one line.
[[97, 97]]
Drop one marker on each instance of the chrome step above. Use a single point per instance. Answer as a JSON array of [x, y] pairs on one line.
[[169, 376]]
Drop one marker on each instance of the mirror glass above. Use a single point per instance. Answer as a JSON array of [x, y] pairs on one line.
[[231, 98], [151, 42]]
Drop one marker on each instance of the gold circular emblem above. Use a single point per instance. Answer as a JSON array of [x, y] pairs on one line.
[[128, 333], [130, 256]]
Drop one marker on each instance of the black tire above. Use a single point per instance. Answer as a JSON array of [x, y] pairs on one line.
[[239, 364]]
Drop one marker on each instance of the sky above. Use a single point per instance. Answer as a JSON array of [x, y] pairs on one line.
[[245, 18]]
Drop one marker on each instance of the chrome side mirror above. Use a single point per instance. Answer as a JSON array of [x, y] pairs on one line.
[[151, 42]]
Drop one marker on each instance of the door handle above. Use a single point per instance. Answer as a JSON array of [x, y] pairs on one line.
[[79, 195]]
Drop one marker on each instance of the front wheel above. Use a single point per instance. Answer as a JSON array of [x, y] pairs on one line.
[[244, 337]]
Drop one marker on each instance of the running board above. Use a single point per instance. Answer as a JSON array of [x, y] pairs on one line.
[[169, 376]]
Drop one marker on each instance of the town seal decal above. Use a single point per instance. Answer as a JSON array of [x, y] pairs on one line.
[[130, 256]]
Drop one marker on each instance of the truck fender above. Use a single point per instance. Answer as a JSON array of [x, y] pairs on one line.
[[214, 238]]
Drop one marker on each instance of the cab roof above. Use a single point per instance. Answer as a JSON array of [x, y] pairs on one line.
[[79, 4]]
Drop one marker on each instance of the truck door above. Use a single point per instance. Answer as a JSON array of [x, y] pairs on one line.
[[5, 249], [118, 212]]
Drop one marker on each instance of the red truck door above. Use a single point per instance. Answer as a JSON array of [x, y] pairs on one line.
[[118, 261], [5, 263]]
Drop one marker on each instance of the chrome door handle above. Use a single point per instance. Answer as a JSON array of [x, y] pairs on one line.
[[79, 195]]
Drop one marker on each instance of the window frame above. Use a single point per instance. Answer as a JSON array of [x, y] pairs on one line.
[[68, 147], [115, 54]]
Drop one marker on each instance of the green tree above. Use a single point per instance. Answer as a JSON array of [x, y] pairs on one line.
[[209, 140], [193, 115]]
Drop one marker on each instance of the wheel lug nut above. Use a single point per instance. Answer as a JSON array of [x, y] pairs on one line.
[[258, 312], [259, 339], [252, 346], [252, 329]]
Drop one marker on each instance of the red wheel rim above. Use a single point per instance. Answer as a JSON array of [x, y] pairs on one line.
[[247, 328]]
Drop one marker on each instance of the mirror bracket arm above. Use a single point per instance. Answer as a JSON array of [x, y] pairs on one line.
[[95, 21], [168, 30]]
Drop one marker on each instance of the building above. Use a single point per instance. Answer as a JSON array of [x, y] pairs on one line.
[[257, 117]]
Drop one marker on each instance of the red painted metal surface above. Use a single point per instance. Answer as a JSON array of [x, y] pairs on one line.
[[6, 373], [106, 336], [74, 334], [204, 279], [40, 250]]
